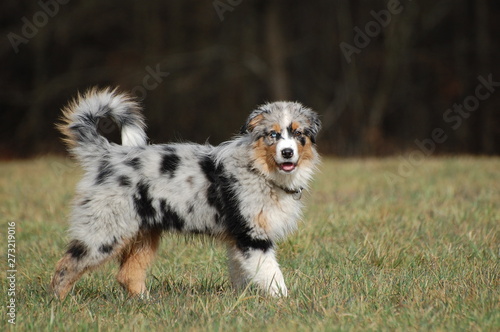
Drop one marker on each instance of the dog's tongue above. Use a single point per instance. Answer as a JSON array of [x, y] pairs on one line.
[[287, 167]]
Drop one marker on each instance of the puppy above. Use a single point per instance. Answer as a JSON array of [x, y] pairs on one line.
[[245, 191]]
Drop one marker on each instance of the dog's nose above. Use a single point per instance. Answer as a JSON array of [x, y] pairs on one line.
[[287, 153]]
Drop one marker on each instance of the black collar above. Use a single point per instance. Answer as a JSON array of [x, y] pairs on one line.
[[296, 193]]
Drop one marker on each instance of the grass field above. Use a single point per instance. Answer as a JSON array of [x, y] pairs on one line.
[[375, 251]]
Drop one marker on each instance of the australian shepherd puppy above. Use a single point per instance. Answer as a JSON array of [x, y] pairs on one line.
[[245, 192]]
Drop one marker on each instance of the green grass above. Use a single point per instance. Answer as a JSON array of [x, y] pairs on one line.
[[415, 253]]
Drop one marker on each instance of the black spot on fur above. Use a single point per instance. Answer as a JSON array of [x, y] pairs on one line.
[[214, 197], [144, 204], [135, 163], [103, 172], [217, 218], [168, 148], [169, 164], [236, 223], [107, 248], [77, 249], [89, 119], [311, 135], [84, 130], [222, 195], [62, 273], [170, 219], [190, 208], [124, 181], [85, 202]]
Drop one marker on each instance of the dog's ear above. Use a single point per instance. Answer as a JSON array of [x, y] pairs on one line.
[[253, 120], [314, 125]]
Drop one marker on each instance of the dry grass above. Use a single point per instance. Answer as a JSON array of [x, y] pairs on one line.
[[373, 253]]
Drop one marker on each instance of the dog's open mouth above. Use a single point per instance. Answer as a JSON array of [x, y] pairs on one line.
[[287, 167]]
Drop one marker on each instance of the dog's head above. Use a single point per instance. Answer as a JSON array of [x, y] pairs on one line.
[[284, 137]]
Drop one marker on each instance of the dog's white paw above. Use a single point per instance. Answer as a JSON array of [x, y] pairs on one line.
[[278, 290]]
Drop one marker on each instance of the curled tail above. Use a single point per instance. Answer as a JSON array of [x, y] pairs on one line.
[[81, 118]]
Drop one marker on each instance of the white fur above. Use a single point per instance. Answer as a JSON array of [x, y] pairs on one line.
[[286, 142], [260, 268], [132, 136]]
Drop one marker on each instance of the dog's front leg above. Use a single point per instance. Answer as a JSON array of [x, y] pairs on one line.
[[259, 267]]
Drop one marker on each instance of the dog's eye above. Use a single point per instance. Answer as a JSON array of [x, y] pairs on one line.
[[274, 135], [297, 133]]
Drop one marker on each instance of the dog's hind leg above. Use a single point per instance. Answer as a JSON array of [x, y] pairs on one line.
[[68, 270], [135, 260], [78, 259]]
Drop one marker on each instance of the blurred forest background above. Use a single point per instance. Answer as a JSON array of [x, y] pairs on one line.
[[200, 66]]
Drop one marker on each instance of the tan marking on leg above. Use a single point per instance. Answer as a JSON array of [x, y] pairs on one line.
[[136, 259], [68, 271]]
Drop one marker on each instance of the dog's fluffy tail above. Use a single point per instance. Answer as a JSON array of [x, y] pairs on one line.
[[81, 119]]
